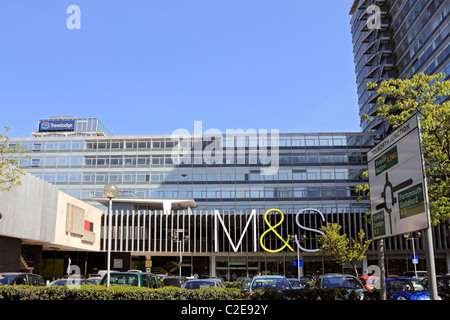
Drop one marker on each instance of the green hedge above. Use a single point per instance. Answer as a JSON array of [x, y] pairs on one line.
[[93, 292]]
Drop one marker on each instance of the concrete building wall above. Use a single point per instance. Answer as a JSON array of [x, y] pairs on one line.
[[29, 210]]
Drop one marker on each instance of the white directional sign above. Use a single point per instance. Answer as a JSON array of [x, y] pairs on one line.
[[397, 184]]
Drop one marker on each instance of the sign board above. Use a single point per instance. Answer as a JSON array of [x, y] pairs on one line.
[[397, 183], [298, 262], [57, 125]]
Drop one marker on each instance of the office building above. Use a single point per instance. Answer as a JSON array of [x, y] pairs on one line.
[[397, 39], [202, 199]]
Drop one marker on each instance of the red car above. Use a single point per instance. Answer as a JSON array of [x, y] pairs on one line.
[[370, 282]]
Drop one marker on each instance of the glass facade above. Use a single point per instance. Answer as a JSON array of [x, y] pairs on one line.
[[230, 175], [311, 169], [411, 37]]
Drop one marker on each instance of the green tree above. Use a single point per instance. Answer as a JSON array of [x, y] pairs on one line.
[[10, 158], [337, 245], [426, 96]]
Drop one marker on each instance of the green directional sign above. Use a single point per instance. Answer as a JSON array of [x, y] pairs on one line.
[[411, 201], [386, 161], [379, 227], [397, 183]]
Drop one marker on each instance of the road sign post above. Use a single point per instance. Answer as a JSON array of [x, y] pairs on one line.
[[398, 189]]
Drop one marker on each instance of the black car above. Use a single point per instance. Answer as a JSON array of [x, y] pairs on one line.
[[19, 278], [173, 281], [443, 286]]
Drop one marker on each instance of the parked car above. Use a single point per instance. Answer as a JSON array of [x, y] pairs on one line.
[[406, 288], [295, 283], [133, 279], [20, 278], [95, 280], [101, 273], [370, 282], [74, 276], [71, 282], [202, 283], [246, 284], [338, 280], [279, 283], [412, 274], [443, 286], [173, 281]]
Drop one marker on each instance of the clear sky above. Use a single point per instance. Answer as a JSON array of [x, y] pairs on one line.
[[153, 66]]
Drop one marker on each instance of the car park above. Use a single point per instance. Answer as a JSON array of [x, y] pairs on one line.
[[279, 283], [202, 283], [406, 288], [133, 279], [20, 278]]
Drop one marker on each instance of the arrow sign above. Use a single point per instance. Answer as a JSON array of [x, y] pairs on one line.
[[397, 183]]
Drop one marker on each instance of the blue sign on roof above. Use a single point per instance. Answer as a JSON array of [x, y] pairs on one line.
[[57, 125]]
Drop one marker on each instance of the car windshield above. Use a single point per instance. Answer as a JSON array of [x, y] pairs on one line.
[[304, 280], [198, 284], [406, 285], [124, 280], [341, 282], [294, 283], [6, 278], [270, 283]]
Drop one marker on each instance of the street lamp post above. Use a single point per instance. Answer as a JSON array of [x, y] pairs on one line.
[[416, 235], [302, 238], [178, 240], [110, 191]]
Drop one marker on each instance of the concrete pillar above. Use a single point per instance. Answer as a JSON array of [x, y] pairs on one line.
[[364, 267], [212, 265], [448, 261]]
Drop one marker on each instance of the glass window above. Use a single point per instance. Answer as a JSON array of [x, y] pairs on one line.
[[63, 161], [124, 280], [76, 161], [77, 145], [116, 160], [51, 146], [50, 161], [35, 162], [37, 146]]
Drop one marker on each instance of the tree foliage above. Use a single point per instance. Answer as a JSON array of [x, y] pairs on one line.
[[338, 246], [10, 157], [426, 96]]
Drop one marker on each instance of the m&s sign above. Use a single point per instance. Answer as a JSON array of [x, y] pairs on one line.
[[269, 229]]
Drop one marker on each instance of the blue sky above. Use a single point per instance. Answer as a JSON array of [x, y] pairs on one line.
[[153, 66]]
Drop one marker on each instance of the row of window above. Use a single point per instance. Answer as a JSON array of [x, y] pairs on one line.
[[201, 176], [169, 144], [155, 160], [238, 193]]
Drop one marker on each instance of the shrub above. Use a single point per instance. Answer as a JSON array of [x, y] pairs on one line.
[[92, 292]]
